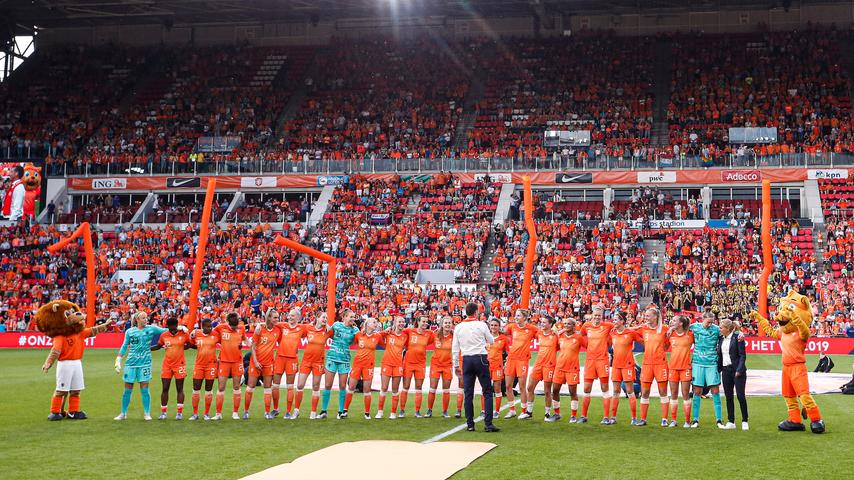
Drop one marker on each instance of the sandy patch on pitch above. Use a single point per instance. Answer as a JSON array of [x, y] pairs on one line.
[[347, 460]]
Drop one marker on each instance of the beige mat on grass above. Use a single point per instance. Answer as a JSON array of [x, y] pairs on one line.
[[410, 460]]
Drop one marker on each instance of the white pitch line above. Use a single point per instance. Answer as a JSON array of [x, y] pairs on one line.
[[460, 428]]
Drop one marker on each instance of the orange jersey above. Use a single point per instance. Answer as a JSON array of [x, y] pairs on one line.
[[623, 343], [655, 345], [548, 350], [416, 347], [495, 352], [394, 345], [568, 348], [174, 346], [680, 350], [793, 347], [230, 340], [520, 341], [315, 349], [367, 348], [442, 353], [70, 347], [206, 347], [264, 340], [290, 339], [598, 339]]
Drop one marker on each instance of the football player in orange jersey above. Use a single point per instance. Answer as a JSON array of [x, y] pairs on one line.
[[264, 341], [174, 365], [312, 363], [543, 369], [363, 363], [495, 356], [520, 334], [230, 336], [205, 368], [287, 362], [654, 365], [567, 369], [598, 335], [681, 343], [391, 367], [623, 365], [415, 362], [441, 366]]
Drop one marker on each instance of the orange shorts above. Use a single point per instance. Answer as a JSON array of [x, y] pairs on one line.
[[679, 375], [653, 372], [204, 372], [390, 371], [496, 371], [265, 371], [177, 371], [286, 366], [362, 371], [230, 369], [416, 371], [594, 369], [569, 378], [516, 368], [542, 372], [623, 374], [445, 372], [795, 380], [315, 368]]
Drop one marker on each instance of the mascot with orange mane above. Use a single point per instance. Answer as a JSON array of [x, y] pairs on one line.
[[33, 189]]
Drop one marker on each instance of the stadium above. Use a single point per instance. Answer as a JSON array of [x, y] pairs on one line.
[[426, 239]]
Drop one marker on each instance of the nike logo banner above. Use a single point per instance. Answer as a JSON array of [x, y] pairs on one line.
[[573, 178]]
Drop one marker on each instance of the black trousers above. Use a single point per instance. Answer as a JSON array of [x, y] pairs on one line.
[[730, 381], [477, 367]]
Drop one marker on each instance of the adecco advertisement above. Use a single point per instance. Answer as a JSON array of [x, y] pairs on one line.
[[741, 176]]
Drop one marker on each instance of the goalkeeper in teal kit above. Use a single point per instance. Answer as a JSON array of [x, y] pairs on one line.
[[137, 369], [704, 366], [338, 360]]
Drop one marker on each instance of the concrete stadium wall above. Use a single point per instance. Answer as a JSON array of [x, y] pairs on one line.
[[306, 33]]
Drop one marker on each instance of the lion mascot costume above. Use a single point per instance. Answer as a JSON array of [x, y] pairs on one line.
[[32, 190], [794, 317], [64, 322]]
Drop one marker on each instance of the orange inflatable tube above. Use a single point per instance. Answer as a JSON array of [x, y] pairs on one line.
[[198, 266], [767, 258], [331, 278], [85, 231], [531, 254]]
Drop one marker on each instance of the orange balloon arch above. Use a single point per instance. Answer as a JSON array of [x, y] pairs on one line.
[[531, 254], [767, 258], [201, 249], [85, 231], [331, 277]]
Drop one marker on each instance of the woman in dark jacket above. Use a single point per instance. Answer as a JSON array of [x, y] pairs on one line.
[[732, 364]]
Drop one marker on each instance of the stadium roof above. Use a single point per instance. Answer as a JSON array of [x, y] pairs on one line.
[[78, 13]]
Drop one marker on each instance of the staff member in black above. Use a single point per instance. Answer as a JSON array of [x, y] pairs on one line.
[[731, 363], [470, 339]]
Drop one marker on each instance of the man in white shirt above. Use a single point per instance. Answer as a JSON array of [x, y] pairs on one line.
[[18, 192], [471, 337]]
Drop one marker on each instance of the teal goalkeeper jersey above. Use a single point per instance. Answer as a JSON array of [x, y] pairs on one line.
[[705, 345], [342, 338], [137, 345]]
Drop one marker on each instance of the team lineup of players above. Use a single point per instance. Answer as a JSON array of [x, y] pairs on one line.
[[274, 343]]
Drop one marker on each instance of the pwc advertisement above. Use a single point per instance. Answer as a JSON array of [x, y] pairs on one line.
[[755, 345]]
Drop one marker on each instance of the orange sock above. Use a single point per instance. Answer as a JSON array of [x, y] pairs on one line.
[[56, 404], [665, 409], [268, 400], [431, 399], [74, 403], [235, 401], [381, 406], [347, 400], [208, 401], [606, 406], [394, 401], [686, 406], [615, 405], [633, 405], [794, 416], [814, 413], [290, 399], [419, 397], [585, 405], [180, 407], [644, 408], [446, 401], [368, 398], [297, 400], [404, 396], [247, 399], [314, 400], [674, 409], [276, 394], [163, 408], [573, 408], [459, 402], [220, 398], [482, 403], [498, 402], [195, 401]]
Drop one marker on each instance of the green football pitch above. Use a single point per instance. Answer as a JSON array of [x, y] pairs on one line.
[[31, 447]]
